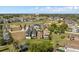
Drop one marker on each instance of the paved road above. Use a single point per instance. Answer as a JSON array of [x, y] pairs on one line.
[[72, 50]]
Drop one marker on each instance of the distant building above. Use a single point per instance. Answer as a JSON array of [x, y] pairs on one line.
[[74, 29], [77, 29], [70, 23], [1, 21], [17, 19], [51, 18]]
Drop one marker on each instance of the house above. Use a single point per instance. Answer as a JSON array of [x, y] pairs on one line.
[[34, 33], [56, 18], [45, 25], [36, 26], [26, 19], [77, 29], [39, 34], [74, 29], [46, 33], [17, 19], [70, 23], [51, 18], [28, 32], [6, 36]]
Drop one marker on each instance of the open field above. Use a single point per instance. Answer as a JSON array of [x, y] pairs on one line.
[[73, 44], [18, 35]]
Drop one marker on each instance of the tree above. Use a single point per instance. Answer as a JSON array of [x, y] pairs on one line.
[[1, 41], [58, 40], [6, 17], [57, 34], [58, 28], [64, 26], [40, 45], [53, 27]]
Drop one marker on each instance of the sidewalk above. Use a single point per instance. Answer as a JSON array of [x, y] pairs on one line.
[[71, 50]]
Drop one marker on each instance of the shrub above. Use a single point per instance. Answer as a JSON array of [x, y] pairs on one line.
[[1, 41], [39, 45]]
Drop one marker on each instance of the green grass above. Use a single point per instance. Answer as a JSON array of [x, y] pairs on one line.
[[3, 48], [12, 48], [8, 48]]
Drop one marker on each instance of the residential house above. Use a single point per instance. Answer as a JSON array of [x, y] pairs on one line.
[[46, 33], [6, 36], [77, 29], [39, 34], [36, 26], [28, 32], [34, 33]]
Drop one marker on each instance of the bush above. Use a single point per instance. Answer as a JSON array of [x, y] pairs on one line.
[[40, 45], [1, 41]]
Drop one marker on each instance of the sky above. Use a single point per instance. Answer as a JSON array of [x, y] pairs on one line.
[[39, 9]]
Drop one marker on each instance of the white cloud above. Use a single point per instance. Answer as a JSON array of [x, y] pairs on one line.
[[51, 9], [45, 8]]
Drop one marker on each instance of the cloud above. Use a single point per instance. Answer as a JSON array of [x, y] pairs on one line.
[[56, 9]]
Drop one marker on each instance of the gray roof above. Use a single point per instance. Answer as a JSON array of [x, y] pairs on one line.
[[6, 36]]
